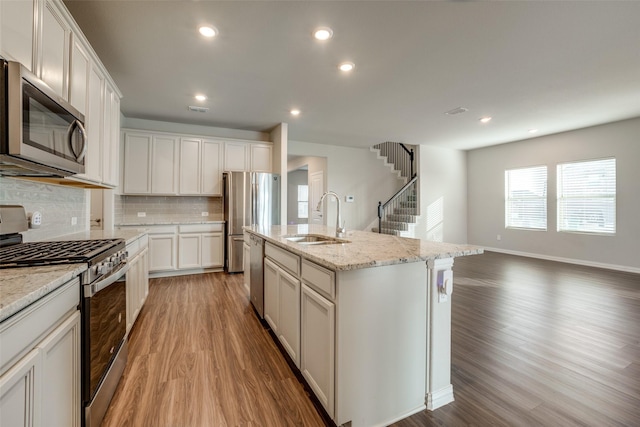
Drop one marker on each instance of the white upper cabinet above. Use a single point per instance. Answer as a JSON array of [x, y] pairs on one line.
[[211, 167], [235, 156], [54, 52], [190, 166], [261, 157], [164, 154], [42, 35], [16, 31], [79, 75], [137, 155]]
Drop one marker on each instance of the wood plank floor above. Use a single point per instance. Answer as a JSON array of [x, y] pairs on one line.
[[534, 343]]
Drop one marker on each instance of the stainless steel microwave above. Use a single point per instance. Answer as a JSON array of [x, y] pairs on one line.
[[42, 134]]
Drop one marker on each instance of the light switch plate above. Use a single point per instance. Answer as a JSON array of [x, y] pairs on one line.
[[349, 199], [204, 213], [142, 214]]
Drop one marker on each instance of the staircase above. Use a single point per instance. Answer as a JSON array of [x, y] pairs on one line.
[[398, 215]]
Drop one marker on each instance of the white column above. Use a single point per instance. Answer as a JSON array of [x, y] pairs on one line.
[[439, 390]]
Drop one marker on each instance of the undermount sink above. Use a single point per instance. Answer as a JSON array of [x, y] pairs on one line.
[[314, 239]]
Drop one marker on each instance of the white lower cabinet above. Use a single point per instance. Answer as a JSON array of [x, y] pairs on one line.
[[317, 345], [282, 307], [40, 377], [212, 250], [189, 251], [137, 279], [162, 251], [247, 265]]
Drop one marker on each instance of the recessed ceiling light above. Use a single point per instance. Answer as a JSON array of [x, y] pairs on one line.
[[485, 119], [295, 112], [208, 31], [347, 66], [533, 130], [200, 97], [323, 33]]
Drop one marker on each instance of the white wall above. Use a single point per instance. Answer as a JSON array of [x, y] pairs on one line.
[[486, 168], [131, 123], [442, 176], [352, 171]]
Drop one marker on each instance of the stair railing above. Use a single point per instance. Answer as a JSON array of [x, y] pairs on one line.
[[400, 156], [406, 196]]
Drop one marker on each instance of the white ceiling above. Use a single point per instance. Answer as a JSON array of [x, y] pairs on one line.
[[554, 66]]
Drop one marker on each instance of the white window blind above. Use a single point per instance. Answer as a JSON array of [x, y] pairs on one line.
[[303, 201], [526, 198], [587, 196]]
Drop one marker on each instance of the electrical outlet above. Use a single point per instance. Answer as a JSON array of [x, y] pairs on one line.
[[349, 199], [142, 214], [498, 237], [204, 213], [74, 220]]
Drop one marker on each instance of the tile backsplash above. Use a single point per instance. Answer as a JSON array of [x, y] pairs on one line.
[[57, 204], [158, 209]]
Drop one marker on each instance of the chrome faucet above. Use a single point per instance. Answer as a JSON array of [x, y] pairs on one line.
[[340, 230]]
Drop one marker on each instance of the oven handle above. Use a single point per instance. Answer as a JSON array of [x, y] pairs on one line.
[[94, 288]]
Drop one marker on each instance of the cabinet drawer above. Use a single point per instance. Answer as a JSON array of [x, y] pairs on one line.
[[287, 260], [200, 228], [319, 279], [162, 229], [20, 332]]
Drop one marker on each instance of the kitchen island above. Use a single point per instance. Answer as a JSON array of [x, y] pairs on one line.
[[366, 319]]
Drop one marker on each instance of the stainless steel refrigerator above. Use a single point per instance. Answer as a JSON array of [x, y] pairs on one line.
[[250, 198]]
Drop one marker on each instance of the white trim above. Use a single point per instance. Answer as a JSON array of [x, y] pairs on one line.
[[439, 398], [616, 267], [402, 417]]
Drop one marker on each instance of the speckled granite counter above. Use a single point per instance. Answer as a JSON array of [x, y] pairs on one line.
[[364, 250], [128, 234], [20, 287]]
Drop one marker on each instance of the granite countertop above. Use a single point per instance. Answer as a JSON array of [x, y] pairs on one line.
[[22, 286], [129, 235], [364, 250]]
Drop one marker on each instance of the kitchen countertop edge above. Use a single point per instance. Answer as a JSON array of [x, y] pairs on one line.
[[22, 286], [362, 250]]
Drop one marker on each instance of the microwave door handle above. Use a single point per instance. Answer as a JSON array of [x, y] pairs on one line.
[[83, 133]]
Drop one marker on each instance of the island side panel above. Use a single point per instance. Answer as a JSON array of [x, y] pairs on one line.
[[439, 390], [381, 344]]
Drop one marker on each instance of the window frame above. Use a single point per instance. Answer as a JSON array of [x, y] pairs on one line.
[[560, 197], [509, 200]]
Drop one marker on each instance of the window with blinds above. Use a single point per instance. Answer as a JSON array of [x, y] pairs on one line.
[[526, 198], [587, 196]]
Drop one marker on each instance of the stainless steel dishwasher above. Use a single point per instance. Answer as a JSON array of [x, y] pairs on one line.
[[256, 267]]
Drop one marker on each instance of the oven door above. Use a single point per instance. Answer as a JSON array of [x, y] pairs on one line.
[[104, 352]]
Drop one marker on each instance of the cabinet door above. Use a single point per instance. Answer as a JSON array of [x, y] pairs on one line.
[[61, 374], [109, 138], [137, 153], [54, 49], [235, 156], [16, 31], [93, 125], [261, 158], [188, 251], [211, 167], [271, 309], [212, 250], [247, 267], [20, 392], [190, 175], [143, 278], [163, 165], [162, 252], [79, 76], [289, 315], [132, 287], [317, 346]]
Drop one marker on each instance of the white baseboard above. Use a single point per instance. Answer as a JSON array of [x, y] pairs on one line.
[[567, 260], [439, 398]]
